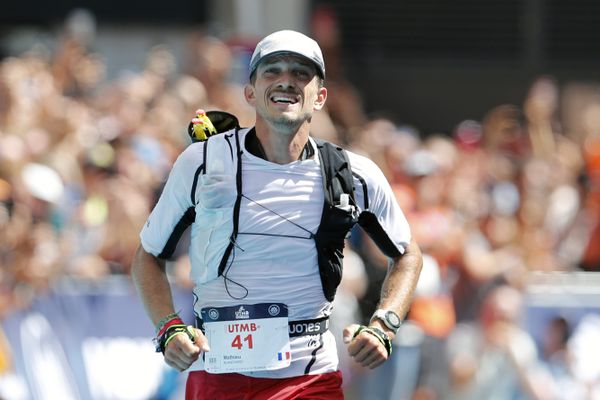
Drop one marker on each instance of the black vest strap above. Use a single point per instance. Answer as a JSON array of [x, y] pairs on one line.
[[336, 219], [236, 207]]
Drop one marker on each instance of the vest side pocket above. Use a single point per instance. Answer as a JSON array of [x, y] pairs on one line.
[[209, 239], [330, 241], [213, 225]]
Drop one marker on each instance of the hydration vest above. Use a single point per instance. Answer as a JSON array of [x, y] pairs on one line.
[[339, 212]]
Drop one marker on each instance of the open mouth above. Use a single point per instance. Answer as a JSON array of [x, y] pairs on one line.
[[284, 99]]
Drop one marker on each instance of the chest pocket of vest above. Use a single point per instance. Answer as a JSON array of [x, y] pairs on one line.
[[329, 239], [213, 225]]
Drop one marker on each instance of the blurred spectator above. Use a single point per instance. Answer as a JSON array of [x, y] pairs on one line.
[[346, 305], [503, 130], [589, 235], [494, 358], [541, 106], [433, 312], [76, 70], [210, 61], [558, 359], [584, 350], [344, 104]]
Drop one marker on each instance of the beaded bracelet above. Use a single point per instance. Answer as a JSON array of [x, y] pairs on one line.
[[170, 323], [161, 324]]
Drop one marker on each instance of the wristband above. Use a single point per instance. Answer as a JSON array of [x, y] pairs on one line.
[[163, 340], [379, 334], [161, 324], [168, 324]]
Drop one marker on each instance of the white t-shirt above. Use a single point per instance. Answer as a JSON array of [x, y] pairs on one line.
[[274, 259]]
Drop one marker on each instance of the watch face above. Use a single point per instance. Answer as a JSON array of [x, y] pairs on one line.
[[393, 318]]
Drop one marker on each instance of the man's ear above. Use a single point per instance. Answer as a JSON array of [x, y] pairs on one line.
[[321, 97], [249, 94]]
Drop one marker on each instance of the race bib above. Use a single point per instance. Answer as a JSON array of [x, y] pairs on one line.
[[249, 337]]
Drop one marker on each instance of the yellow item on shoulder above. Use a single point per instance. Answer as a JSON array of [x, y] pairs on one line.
[[202, 127]]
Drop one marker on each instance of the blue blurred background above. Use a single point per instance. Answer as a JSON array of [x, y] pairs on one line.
[[484, 116]]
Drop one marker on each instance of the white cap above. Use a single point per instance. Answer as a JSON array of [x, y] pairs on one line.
[[288, 41]]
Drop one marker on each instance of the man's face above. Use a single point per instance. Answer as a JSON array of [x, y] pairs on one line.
[[286, 90]]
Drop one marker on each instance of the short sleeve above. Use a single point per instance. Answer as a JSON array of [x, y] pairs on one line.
[[171, 214], [380, 215]]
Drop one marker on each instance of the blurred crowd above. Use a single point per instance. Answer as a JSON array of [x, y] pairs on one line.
[[83, 159]]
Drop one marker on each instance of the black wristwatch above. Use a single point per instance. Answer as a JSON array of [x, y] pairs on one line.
[[389, 318]]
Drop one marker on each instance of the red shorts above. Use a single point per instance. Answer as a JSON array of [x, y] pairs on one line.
[[201, 385]]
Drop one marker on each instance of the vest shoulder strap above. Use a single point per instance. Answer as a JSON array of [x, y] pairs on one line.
[[338, 217], [336, 171]]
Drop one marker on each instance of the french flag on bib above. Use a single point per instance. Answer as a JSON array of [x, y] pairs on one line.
[[283, 356]]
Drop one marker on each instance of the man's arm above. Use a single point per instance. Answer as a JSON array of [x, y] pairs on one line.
[[150, 279], [396, 295]]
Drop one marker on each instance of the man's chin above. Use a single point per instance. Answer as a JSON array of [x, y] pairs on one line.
[[287, 121]]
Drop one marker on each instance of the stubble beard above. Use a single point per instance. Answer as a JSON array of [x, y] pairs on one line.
[[286, 124]]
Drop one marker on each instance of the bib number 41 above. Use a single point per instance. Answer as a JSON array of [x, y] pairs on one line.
[[247, 337], [237, 341]]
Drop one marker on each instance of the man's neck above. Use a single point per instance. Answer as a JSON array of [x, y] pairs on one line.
[[282, 148]]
